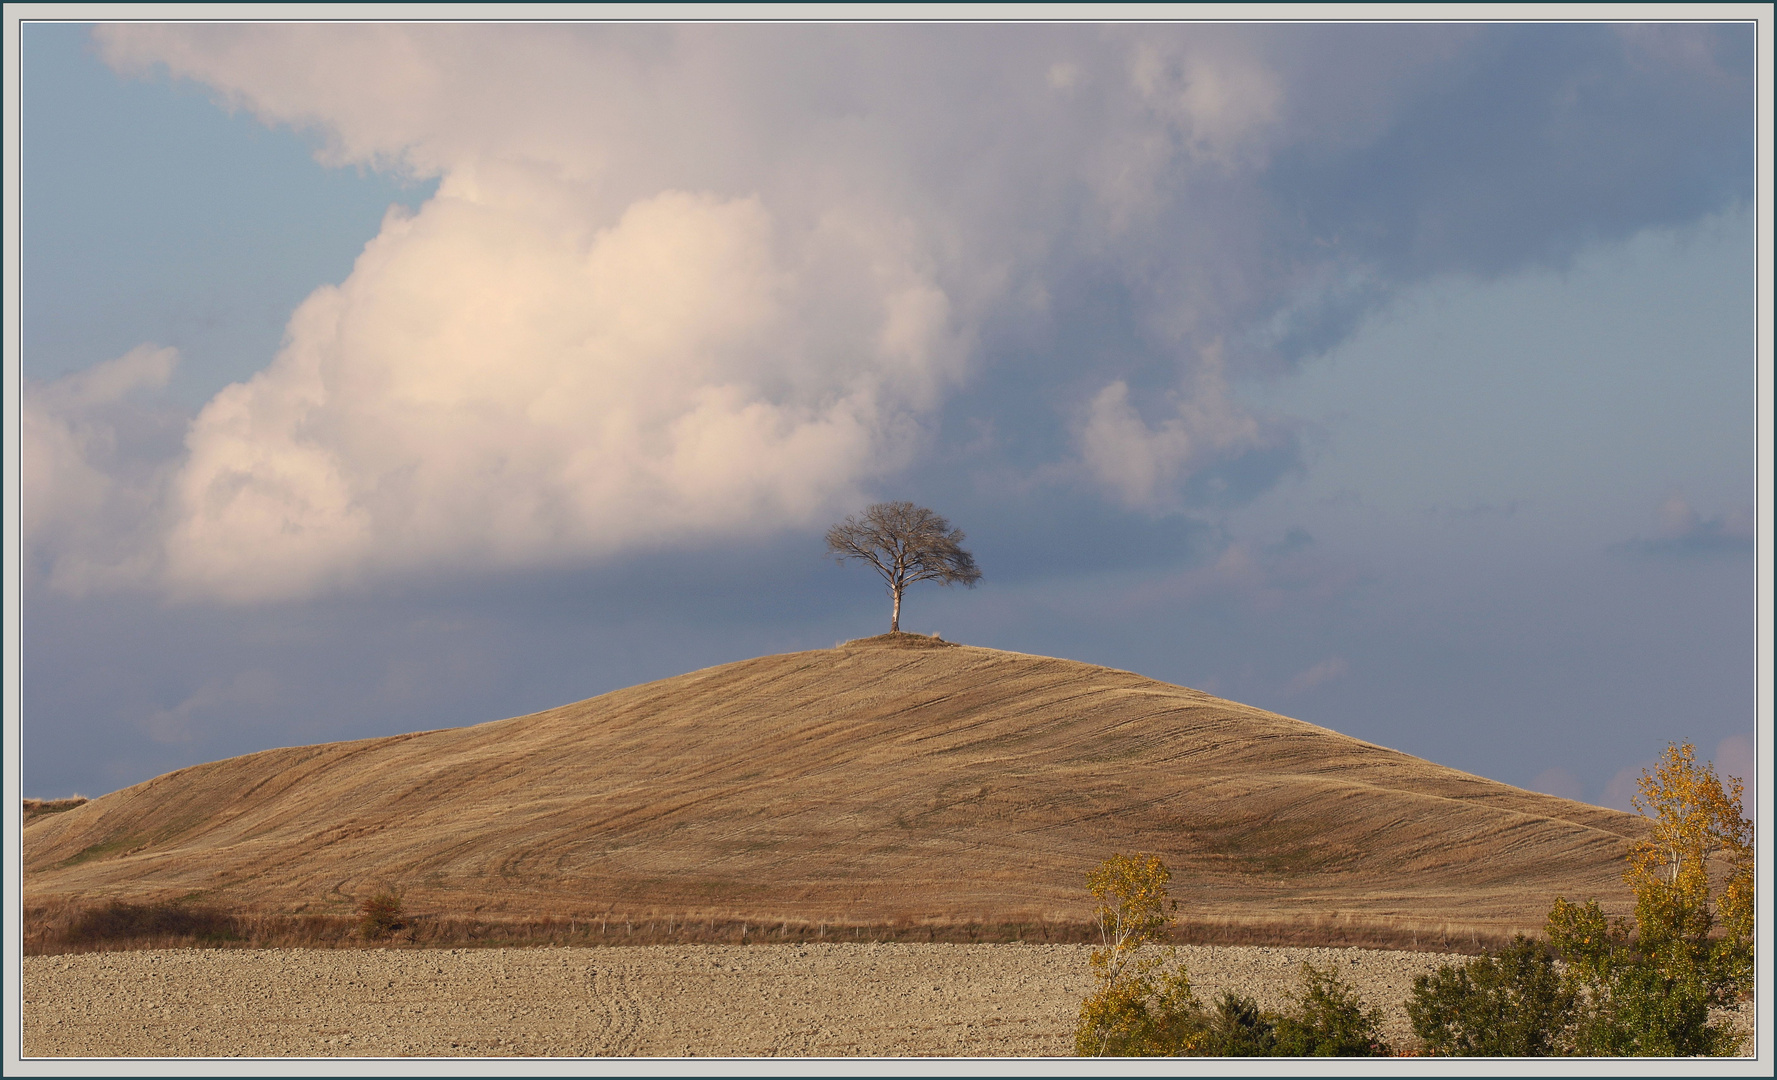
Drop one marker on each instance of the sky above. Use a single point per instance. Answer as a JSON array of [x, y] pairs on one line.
[[1400, 378]]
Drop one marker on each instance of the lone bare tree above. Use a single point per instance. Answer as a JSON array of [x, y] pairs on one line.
[[906, 543]]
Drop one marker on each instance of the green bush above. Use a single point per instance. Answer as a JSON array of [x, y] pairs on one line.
[[1329, 1020], [1643, 989], [1644, 994], [1614, 999], [1510, 1004], [1641, 1012], [1237, 1028]]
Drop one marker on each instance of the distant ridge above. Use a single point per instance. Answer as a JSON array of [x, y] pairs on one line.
[[888, 780]]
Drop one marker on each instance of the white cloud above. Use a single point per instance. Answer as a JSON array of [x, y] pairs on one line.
[[1680, 521], [494, 389], [88, 502], [1222, 100], [1733, 758], [1064, 75], [558, 356], [145, 367], [1144, 463], [1261, 579]]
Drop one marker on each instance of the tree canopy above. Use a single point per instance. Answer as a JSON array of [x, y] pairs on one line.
[[905, 543]]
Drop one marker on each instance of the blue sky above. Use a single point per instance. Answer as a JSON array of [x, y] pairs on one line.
[[1397, 378]]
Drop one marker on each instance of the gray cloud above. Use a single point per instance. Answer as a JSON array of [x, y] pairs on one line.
[[680, 283], [1514, 146], [96, 448]]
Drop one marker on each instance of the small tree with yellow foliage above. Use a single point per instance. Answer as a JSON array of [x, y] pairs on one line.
[[1701, 838], [1143, 1005], [1648, 989]]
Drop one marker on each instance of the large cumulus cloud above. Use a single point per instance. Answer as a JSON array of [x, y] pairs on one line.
[[685, 282], [488, 386]]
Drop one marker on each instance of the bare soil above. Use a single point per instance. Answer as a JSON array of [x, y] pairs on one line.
[[887, 1000]]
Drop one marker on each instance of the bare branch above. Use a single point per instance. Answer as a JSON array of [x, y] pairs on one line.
[[905, 543]]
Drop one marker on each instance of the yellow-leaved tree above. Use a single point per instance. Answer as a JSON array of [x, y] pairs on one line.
[[1696, 871], [1647, 989], [1143, 1002]]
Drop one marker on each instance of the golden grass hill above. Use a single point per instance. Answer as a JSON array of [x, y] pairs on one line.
[[898, 783]]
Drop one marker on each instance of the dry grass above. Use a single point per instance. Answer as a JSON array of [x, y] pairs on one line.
[[899, 783], [114, 926], [899, 639], [36, 808]]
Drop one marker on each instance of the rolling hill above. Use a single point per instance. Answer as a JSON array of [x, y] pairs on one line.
[[887, 780]]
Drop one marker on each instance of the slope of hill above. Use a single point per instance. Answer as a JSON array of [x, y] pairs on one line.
[[870, 783]]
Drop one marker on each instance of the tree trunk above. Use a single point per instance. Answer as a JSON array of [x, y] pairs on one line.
[[895, 619]]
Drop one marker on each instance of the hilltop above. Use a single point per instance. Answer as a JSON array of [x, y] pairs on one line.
[[873, 783]]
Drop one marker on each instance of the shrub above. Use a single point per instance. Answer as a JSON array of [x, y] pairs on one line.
[[1144, 1006], [1510, 1004], [1329, 1020], [1645, 988], [1640, 1011], [379, 915], [1631, 999], [1237, 1028]]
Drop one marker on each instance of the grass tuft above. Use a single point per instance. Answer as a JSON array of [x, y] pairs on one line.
[[901, 639]]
